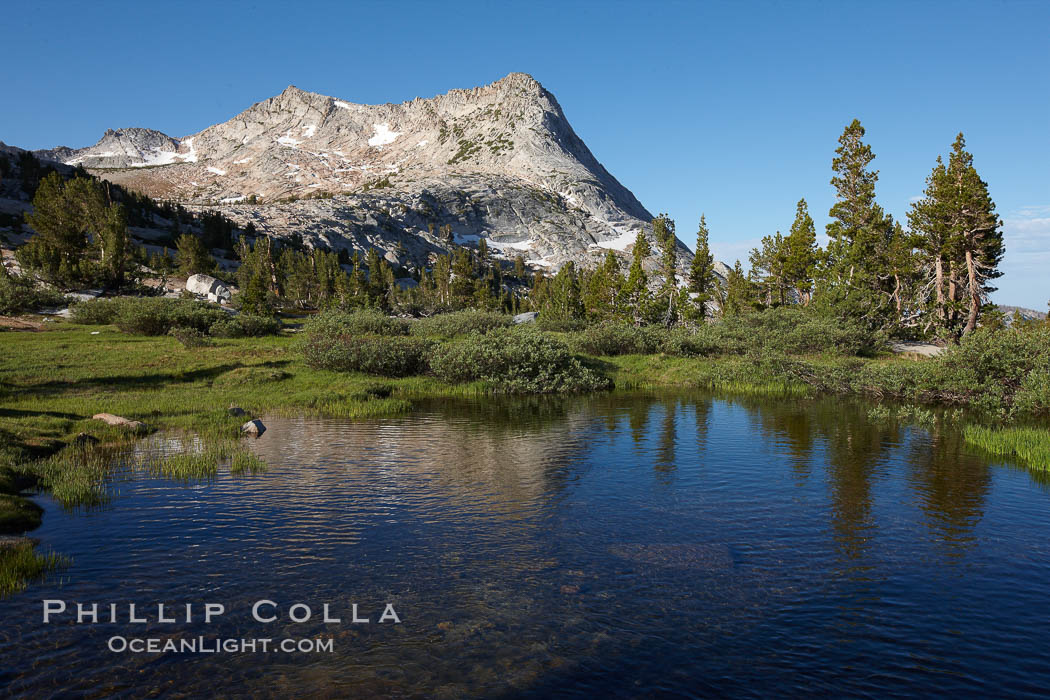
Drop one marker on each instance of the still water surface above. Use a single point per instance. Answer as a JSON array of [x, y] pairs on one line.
[[612, 546]]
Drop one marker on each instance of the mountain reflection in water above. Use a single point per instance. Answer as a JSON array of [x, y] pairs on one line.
[[616, 545]]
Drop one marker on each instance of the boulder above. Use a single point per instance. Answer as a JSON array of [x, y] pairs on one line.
[[527, 317], [208, 286], [110, 419], [253, 427]]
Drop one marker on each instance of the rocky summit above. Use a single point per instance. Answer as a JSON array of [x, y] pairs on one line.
[[498, 162]]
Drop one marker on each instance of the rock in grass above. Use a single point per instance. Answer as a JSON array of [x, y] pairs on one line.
[[253, 427], [110, 419], [527, 317], [236, 411], [208, 286]]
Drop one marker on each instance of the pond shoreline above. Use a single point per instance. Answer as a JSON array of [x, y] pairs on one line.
[[53, 381]]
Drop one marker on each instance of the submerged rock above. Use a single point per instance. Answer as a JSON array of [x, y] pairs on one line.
[[253, 427]]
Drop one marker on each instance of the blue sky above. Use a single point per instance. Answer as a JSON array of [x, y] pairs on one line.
[[731, 109]]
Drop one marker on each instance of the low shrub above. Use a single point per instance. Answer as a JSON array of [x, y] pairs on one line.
[[457, 323], [245, 326], [19, 295], [515, 361], [691, 342], [618, 338], [144, 316], [560, 324], [365, 322], [95, 312], [791, 331], [387, 356], [159, 315]]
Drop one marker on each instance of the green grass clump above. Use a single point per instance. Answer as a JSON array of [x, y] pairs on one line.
[[20, 564], [1030, 446], [77, 476], [204, 455]]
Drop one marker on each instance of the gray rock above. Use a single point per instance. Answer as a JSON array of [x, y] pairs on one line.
[[208, 286], [110, 419], [913, 348], [527, 317], [253, 427]]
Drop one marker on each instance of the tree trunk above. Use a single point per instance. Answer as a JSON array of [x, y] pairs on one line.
[[952, 313], [975, 294], [941, 311]]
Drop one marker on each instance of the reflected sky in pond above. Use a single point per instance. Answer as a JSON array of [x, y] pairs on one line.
[[616, 545]]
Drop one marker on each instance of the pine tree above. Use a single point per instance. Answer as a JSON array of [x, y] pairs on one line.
[[961, 239], [192, 256], [57, 248], [564, 300], [739, 292], [701, 271], [256, 275], [114, 245], [667, 298], [930, 219], [854, 279], [603, 287], [636, 288], [801, 254], [767, 270]]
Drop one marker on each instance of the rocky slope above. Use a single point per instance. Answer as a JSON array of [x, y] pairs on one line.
[[499, 162]]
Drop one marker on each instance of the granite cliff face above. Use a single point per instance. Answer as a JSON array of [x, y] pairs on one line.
[[499, 162]]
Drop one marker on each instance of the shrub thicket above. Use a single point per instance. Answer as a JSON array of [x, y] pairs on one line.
[[158, 316], [619, 338], [365, 322], [1001, 373], [20, 295], [387, 356], [515, 361], [771, 332], [457, 323]]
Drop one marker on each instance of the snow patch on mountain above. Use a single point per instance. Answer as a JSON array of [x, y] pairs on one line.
[[383, 135]]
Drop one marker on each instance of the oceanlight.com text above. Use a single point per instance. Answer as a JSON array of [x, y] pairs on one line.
[[213, 645]]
